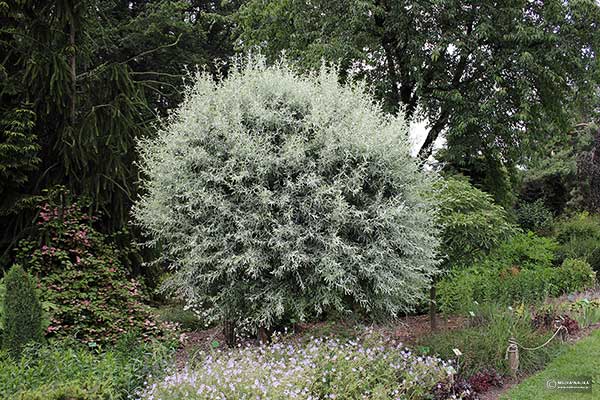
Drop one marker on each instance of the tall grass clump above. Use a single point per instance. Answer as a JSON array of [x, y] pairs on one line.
[[483, 344]]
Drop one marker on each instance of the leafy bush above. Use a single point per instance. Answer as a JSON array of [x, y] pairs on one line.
[[319, 369], [579, 237], [519, 268], [585, 311], [525, 251], [509, 285], [484, 380], [278, 196], [21, 311], [575, 275], [186, 319], [66, 371], [81, 274], [484, 346], [472, 224], [535, 217]]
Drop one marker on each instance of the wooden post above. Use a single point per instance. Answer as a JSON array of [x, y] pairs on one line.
[[512, 355]]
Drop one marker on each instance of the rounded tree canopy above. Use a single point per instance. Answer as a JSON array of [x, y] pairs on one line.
[[278, 195], [471, 223]]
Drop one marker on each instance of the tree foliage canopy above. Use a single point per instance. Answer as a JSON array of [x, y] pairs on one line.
[[471, 224], [274, 193], [492, 77], [79, 82]]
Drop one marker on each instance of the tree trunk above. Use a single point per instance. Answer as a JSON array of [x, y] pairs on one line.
[[432, 308], [229, 333], [432, 135], [73, 72], [264, 336]]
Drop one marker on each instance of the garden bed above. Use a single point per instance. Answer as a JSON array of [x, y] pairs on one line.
[[406, 330]]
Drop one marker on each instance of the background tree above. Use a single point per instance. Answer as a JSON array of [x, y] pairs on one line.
[[471, 226], [80, 81], [491, 77], [560, 173], [277, 196], [588, 167]]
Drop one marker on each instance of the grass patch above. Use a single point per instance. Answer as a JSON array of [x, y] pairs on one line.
[[580, 359]]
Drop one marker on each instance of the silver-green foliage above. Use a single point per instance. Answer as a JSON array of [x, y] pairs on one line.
[[277, 195]]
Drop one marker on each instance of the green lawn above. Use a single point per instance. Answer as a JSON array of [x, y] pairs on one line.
[[581, 359]]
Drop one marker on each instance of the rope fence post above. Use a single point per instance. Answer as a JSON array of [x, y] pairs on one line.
[[512, 355], [512, 350]]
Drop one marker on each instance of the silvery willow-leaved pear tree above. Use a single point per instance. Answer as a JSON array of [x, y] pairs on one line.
[[276, 195]]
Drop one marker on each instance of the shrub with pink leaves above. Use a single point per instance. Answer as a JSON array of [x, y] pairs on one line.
[[485, 379], [88, 292]]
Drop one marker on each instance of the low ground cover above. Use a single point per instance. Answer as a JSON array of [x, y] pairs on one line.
[[318, 368], [71, 371]]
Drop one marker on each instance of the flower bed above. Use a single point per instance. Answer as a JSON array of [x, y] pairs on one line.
[[318, 369]]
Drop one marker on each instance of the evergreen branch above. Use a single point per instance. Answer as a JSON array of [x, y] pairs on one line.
[[100, 67]]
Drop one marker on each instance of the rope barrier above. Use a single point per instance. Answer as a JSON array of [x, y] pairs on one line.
[[512, 351], [560, 328]]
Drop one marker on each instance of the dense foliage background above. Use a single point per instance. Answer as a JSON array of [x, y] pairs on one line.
[[81, 80]]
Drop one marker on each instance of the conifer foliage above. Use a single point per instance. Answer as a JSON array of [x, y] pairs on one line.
[[22, 311], [279, 196]]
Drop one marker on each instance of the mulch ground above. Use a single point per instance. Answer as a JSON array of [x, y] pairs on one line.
[[405, 330]]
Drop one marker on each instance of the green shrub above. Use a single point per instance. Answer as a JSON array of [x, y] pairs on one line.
[[472, 224], [67, 371], [186, 319], [76, 391], [81, 275], [461, 290], [22, 311], [579, 237], [525, 251], [279, 196], [585, 311], [535, 217], [574, 275], [484, 346], [518, 269]]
